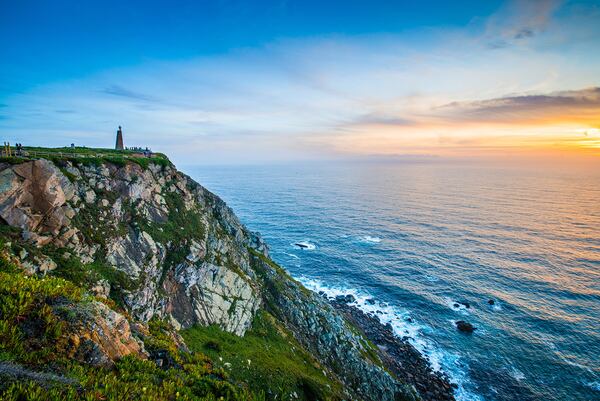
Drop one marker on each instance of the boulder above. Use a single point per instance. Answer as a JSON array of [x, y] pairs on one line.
[[211, 294], [32, 196], [465, 327], [99, 335], [348, 298], [197, 251], [39, 265], [101, 289]]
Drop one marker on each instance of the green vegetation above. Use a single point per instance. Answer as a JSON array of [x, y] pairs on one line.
[[13, 160], [88, 218], [71, 268], [29, 329], [177, 231], [34, 338], [275, 284], [134, 379], [68, 266], [88, 156], [267, 358]]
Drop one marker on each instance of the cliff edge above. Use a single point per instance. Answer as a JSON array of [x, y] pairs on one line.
[[112, 267]]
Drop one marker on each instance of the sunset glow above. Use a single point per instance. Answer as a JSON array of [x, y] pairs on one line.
[[523, 76]]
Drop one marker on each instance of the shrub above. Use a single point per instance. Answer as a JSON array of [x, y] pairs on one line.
[[29, 329]]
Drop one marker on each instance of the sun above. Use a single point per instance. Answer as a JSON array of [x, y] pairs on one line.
[[593, 132]]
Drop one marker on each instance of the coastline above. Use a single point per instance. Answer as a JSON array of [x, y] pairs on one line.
[[397, 354]]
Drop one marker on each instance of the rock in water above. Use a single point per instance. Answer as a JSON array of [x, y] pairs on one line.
[[465, 327], [348, 298]]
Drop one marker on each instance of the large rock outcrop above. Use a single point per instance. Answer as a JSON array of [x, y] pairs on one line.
[[98, 335], [181, 248], [34, 196]]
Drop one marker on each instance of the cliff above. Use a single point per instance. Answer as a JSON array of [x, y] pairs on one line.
[[112, 266]]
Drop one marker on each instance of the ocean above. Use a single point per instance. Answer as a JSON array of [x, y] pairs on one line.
[[424, 239]]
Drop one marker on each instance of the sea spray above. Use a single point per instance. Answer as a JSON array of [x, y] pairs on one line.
[[405, 326]]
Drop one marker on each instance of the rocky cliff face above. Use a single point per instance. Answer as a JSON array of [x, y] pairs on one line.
[[162, 246], [124, 217]]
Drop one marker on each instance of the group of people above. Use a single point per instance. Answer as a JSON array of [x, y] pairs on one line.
[[147, 152], [8, 151]]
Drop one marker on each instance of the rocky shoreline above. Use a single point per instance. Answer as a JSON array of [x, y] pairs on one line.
[[397, 354]]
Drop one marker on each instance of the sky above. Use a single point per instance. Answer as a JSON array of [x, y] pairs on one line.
[[229, 82]]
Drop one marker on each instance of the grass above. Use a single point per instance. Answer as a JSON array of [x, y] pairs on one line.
[[34, 336], [89, 156], [13, 159], [267, 358], [135, 379], [29, 330]]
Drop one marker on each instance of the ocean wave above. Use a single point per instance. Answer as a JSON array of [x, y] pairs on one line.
[[291, 255], [370, 239], [404, 325], [517, 374], [593, 385]]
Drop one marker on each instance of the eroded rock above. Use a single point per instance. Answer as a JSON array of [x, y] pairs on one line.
[[99, 335]]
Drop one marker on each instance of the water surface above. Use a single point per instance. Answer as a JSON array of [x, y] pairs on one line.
[[423, 237]]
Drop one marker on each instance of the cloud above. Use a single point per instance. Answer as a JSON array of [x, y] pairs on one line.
[[573, 105], [519, 21], [382, 119], [116, 90], [524, 33]]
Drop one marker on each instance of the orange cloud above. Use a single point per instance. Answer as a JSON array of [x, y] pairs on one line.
[[559, 121]]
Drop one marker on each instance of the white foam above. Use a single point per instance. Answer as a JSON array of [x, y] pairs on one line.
[[462, 309], [292, 255], [593, 385], [304, 245], [369, 239], [406, 326], [517, 374]]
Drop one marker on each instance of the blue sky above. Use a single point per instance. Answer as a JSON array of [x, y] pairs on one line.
[[242, 81]]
